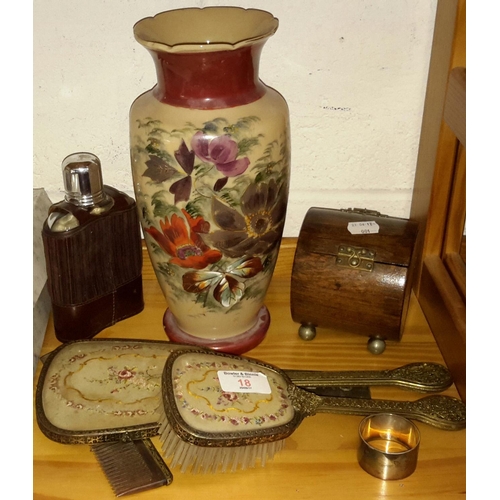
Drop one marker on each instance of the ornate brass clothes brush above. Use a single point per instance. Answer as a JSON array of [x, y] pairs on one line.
[[222, 412]]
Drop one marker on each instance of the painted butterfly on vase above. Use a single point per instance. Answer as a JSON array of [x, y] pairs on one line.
[[226, 285]]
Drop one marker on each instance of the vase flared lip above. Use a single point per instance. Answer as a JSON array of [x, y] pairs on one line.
[[209, 29]]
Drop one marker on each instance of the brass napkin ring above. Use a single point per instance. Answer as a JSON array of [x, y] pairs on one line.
[[388, 447]]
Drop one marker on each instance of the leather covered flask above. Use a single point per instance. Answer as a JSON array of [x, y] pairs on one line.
[[93, 253], [352, 272]]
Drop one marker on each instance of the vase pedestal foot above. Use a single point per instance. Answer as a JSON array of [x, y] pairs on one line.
[[238, 344]]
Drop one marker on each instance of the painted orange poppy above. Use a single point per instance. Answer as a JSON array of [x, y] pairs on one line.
[[179, 237]]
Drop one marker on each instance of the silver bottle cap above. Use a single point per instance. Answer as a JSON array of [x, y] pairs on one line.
[[82, 178]]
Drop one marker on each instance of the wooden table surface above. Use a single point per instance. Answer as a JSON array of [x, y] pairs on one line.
[[319, 459]]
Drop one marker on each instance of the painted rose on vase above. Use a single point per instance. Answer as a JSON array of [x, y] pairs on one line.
[[213, 208]]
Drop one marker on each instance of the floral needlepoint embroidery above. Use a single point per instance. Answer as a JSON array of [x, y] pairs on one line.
[[234, 408], [125, 374]]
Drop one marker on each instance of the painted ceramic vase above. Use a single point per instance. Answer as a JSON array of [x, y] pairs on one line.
[[210, 152]]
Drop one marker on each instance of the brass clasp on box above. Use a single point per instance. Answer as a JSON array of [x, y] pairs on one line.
[[356, 258]]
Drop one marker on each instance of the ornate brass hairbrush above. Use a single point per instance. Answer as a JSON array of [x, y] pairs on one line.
[[223, 411]]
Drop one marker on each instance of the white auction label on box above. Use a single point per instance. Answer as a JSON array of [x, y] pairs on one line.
[[363, 227], [241, 381]]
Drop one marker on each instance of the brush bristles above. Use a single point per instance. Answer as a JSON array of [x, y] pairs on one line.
[[200, 459]]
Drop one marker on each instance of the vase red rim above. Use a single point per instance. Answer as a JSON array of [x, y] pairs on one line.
[[153, 33]]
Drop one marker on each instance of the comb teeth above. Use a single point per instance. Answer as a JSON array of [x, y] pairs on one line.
[[132, 466], [205, 459]]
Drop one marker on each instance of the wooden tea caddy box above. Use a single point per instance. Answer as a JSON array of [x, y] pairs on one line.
[[359, 283]]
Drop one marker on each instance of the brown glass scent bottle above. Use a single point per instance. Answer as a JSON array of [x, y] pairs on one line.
[[93, 253]]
